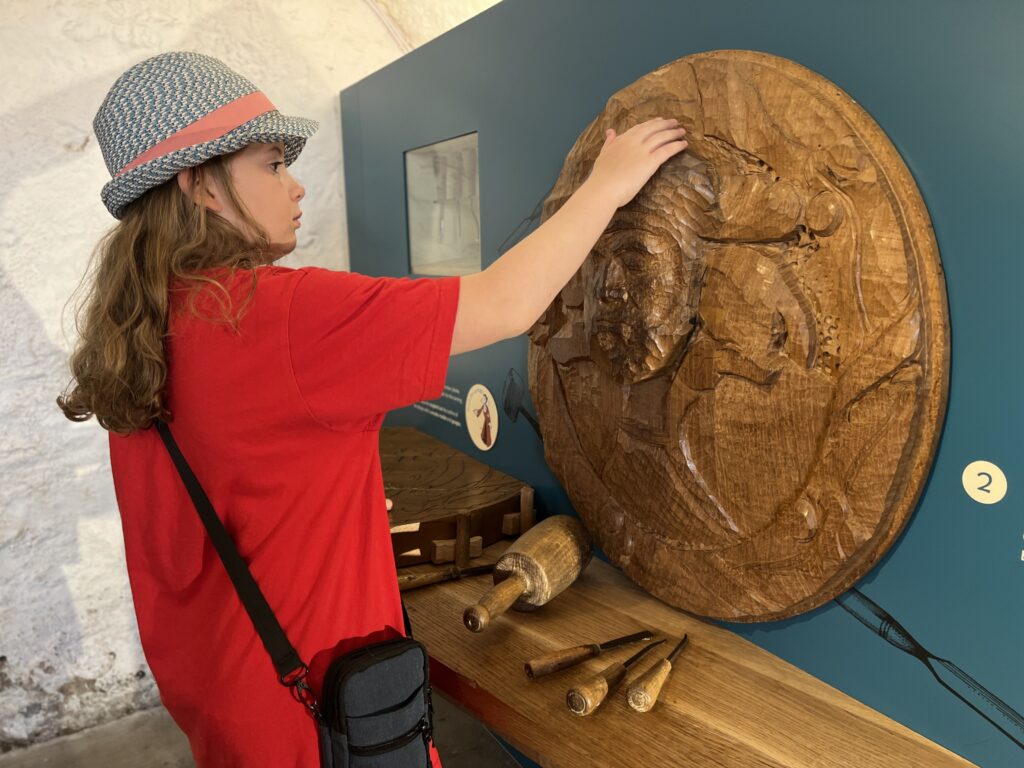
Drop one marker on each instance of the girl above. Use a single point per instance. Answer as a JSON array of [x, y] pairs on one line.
[[276, 382]]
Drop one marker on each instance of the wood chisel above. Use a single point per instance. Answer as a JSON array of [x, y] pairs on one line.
[[567, 657], [407, 581], [643, 692], [584, 698]]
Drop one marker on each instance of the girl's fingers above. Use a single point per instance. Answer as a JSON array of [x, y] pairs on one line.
[[665, 137], [666, 151], [653, 127], [644, 130]]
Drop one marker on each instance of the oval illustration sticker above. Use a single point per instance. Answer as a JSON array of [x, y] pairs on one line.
[[481, 417]]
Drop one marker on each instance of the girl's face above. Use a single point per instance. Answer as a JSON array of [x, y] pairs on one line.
[[268, 190]]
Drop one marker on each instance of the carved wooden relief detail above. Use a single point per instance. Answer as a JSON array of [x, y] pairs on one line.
[[742, 388]]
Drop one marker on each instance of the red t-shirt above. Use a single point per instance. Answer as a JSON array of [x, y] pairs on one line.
[[280, 421]]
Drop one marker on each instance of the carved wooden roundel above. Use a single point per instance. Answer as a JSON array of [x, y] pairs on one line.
[[742, 388]]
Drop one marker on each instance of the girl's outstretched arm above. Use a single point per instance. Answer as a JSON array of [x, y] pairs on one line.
[[505, 299]]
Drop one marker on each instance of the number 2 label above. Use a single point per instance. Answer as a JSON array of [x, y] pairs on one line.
[[984, 482]]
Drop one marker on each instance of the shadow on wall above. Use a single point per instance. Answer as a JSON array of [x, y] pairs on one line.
[[69, 649], [69, 654]]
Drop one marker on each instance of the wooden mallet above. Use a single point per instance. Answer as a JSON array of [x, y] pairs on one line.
[[534, 569], [643, 692]]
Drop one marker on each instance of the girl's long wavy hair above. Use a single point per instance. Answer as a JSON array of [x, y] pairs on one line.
[[164, 239]]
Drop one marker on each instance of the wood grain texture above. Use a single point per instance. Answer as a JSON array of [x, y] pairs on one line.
[[727, 703], [433, 486], [444, 550], [498, 599], [642, 693], [743, 387], [563, 658], [583, 698], [535, 568], [551, 556]]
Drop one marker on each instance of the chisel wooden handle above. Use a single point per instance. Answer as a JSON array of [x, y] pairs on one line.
[[495, 602], [415, 581], [556, 660], [407, 581], [584, 698], [643, 692]]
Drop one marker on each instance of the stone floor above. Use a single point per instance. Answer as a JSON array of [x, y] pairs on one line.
[[150, 739]]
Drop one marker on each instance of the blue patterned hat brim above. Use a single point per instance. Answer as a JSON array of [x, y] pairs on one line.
[[268, 127]]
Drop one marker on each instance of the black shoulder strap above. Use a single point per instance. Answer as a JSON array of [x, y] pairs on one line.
[[286, 659], [405, 619]]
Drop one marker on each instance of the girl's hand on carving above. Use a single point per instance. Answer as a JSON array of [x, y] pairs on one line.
[[628, 160], [505, 299]]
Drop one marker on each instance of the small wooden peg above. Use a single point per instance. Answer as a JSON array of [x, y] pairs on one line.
[[526, 511], [444, 550], [510, 524], [462, 542]]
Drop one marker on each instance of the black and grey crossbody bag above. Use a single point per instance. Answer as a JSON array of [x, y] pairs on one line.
[[375, 709]]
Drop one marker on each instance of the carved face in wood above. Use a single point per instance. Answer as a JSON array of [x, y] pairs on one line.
[[641, 280], [742, 386]]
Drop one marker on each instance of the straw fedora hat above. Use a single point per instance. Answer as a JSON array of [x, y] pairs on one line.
[[177, 110]]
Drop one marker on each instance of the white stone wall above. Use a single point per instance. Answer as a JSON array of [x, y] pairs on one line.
[[69, 649]]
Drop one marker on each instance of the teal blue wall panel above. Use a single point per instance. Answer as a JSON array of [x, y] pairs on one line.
[[945, 80]]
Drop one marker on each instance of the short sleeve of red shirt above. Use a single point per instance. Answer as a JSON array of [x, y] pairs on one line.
[[361, 346]]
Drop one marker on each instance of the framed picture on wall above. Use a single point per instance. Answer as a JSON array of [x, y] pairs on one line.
[[443, 207]]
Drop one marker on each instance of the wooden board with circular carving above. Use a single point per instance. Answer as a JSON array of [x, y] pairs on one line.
[[742, 388]]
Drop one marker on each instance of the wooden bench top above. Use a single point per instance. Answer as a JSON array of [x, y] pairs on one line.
[[727, 702]]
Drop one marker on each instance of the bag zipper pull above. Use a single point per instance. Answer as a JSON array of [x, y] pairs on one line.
[[425, 732]]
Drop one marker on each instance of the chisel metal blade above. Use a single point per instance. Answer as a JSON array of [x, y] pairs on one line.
[[635, 637], [636, 656]]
